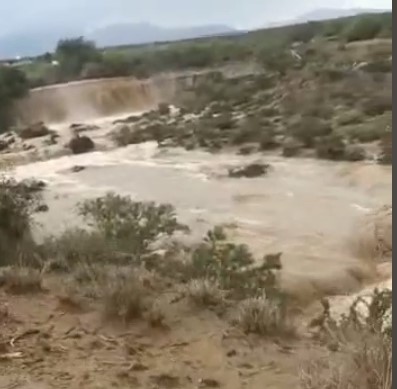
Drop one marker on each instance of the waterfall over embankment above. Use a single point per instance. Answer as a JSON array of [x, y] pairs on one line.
[[91, 99]]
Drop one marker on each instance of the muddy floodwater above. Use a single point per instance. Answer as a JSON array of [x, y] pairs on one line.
[[305, 208]]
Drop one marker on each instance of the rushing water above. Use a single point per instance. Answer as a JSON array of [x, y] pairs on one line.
[[305, 208]]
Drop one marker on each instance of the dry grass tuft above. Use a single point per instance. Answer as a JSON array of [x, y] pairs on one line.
[[204, 292], [19, 280], [263, 316], [363, 363], [123, 297]]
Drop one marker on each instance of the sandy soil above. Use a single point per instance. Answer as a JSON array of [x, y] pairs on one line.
[[53, 345]]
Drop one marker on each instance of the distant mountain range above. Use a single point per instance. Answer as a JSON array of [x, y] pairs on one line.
[[31, 43], [327, 14], [125, 34], [36, 41]]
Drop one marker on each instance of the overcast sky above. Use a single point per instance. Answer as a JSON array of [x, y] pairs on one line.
[[18, 15]]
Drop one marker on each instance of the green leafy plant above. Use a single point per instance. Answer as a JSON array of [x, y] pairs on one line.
[[131, 226]]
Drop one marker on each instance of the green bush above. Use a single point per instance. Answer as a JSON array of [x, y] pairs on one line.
[[73, 54], [17, 204], [361, 341], [131, 226], [13, 85], [306, 129], [377, 104], [330, 147], [363, 28], [366, 132], [233, 267]]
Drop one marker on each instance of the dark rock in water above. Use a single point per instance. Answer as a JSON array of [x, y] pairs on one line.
[[11, 140], [34, 185], [81, 144], [42, 208], [36, 130], [250, 171], [27, 147], [246, 150], [3, 145], [77, 168], [209, 383], [164, 109]]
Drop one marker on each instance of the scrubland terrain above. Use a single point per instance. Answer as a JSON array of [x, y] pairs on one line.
[[228, 227]]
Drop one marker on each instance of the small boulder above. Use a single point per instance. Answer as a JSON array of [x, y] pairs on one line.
[[249, 171], [81, 144], [77, 169], [36, 130]]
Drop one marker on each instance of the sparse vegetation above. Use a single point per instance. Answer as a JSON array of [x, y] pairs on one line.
[[263, 316], [21, 280], [17, 204], [362, 347], [204, 292], [13, 86]]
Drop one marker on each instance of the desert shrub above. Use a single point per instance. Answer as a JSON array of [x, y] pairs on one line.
[[365, 363], [123, 297], [333, 73], [304, 32], [204, 292], [379, 66], [334, 27], [73, 54], [263, 316], [361, 341], [291, 147], [331, 147], [21, 280], [18, 202], [363, 28], [13, 85], [353, 116], [250, 130], [377, 104], [354, 153], [232, 266], [267, 140], [307, 128], [364, 132], [75, 246], [277, 59], [131, 226]]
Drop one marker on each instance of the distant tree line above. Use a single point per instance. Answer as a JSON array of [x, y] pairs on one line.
[[81, 59], [77, 58]]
